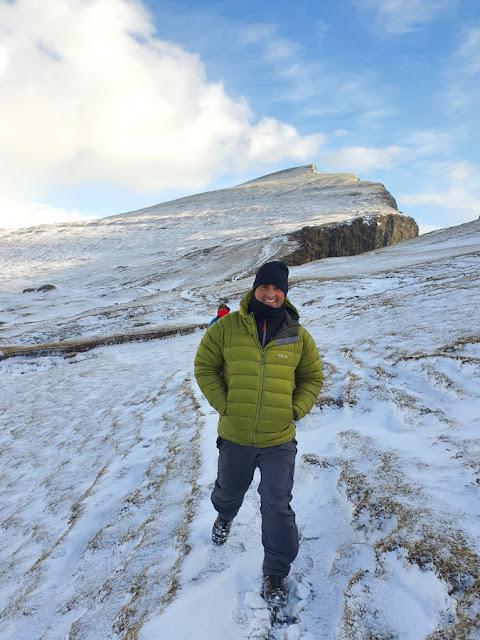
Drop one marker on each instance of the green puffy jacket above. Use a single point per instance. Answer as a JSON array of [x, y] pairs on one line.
[[258, 392]]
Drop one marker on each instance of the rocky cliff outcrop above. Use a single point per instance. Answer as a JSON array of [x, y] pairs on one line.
[[346, 216], [350, 238]]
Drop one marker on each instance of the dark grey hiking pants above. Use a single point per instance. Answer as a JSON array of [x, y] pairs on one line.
[[236, 466]]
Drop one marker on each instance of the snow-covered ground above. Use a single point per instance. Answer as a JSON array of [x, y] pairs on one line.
[[108, 457]]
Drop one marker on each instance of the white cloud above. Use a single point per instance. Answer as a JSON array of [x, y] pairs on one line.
[[312, 83], [429, 142], [88, 94], [463, 93], [275, 49], [17, 214], [401, 16], [358, 159], [269, 136], [455, 187], [469, 51]]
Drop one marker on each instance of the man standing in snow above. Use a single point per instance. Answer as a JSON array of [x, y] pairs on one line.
[[261, 371]]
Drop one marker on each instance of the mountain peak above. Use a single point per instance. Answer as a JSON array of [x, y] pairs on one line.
[[308, 171], [286, 173]]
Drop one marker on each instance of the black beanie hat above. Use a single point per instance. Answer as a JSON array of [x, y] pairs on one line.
[[275, 273]]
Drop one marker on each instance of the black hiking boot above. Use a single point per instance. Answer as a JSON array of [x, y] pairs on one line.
[[220, 530], [274, 591]]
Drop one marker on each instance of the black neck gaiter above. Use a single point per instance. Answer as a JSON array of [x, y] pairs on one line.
[[268, 319]]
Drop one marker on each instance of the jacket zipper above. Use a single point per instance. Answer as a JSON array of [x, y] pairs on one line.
[[264, 333], [260, 390]]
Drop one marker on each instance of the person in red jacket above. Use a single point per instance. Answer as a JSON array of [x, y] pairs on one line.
[[223, 309]]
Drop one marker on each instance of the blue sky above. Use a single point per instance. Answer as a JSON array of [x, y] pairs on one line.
[[112, 105]]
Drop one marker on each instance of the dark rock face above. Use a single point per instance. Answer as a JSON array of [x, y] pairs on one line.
[[350, 238], [44, 287]]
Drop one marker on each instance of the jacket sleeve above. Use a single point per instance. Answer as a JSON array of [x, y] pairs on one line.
[[208, 367], [308, 378]]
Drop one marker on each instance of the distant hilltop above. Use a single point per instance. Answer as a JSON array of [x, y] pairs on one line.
[[373, 218], [318, 215]]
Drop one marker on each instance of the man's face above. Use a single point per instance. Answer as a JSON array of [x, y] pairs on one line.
[[269, 294]]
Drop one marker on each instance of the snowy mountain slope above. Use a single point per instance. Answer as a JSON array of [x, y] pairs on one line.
[[107, 458], [137, 265]]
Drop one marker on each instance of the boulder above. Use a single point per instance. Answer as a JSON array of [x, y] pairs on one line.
[[44, 287]]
